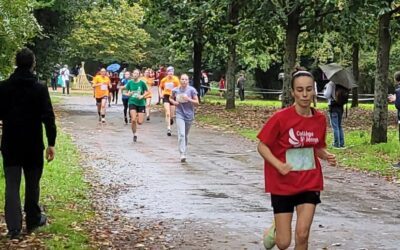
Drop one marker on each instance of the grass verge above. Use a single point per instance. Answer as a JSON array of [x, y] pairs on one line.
[[64, 195], [214, 99]]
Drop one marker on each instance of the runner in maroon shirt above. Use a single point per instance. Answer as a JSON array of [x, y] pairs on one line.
[[291, 142]]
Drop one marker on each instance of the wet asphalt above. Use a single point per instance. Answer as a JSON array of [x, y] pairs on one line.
[[216, 200]]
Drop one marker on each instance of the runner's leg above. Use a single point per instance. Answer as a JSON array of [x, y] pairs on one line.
[[140, 118], [98, 105], [305, 215], [188, 124], [283, 224], [180, 126], [172, 110], [148, 101], [133, 113], [125, 103], [103, 109], [167, 114]]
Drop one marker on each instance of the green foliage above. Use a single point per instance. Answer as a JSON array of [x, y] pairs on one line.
[[109, 34], [17, 27]]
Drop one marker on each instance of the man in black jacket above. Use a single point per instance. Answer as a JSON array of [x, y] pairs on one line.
[[24, 105]]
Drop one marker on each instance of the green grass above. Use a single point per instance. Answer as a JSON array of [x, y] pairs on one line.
[[362, 155], [214, 99], [64, 194], [55, 99]]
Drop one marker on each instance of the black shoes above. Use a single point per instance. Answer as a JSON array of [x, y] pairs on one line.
[[169, 132], [14, 234], [171, 121], [148, 118], [134, 138], [126, 120], [42, 222]]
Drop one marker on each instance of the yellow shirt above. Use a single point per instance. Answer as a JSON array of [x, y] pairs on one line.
[[149, 82], [168, 83], [101, 90]]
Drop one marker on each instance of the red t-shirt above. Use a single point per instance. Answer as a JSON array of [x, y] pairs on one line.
[[287, 129]]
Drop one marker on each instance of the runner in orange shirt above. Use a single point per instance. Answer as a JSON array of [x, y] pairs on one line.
[[149, 82], [167, 84], [101, 83]]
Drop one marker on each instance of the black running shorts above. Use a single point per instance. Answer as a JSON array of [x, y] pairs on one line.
[[139, 109], [286, 203], [98, 100], [166, 99]]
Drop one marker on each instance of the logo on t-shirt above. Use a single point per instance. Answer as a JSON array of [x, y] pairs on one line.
[[300, 137]]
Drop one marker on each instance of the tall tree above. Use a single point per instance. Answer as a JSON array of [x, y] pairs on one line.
[[233, 21], [380, 114]]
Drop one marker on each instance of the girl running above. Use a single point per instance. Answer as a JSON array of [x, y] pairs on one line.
[[149, 81], [167, 84], [114, 87], [291, 142], [137, 90], [184, 98], [101, 83], [125, 97]]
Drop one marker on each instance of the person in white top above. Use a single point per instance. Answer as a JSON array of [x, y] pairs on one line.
[[64, 72]]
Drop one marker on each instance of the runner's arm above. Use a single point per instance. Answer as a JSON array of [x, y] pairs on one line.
[[323, 154], [172, 99], [194, 100], [266, 153]]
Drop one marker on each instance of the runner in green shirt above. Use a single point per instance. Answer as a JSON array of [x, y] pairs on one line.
[[137, 90]]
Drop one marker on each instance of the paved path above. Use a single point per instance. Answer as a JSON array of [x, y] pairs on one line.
[[216, 199]]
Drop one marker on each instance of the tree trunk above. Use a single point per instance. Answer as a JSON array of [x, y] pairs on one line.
[[289, 61], [233, 19], [380, 114], [356, 73], [197, 57]]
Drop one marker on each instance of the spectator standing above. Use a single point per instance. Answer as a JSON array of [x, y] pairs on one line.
[[335, 113], [396, 100], [240, 85], [65, 74], [25, 105]]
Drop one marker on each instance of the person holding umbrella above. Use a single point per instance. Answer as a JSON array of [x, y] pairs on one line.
[[337, 93]]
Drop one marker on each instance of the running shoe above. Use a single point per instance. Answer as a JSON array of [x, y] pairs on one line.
[[103, 120], [183, 158], [269, 237], [169, 132], [134, 138], [171, 121]]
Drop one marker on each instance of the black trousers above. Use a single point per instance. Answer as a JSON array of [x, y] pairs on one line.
[[54, 85], [125, 102], [241, 94], [66, 86], [13, 213]]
